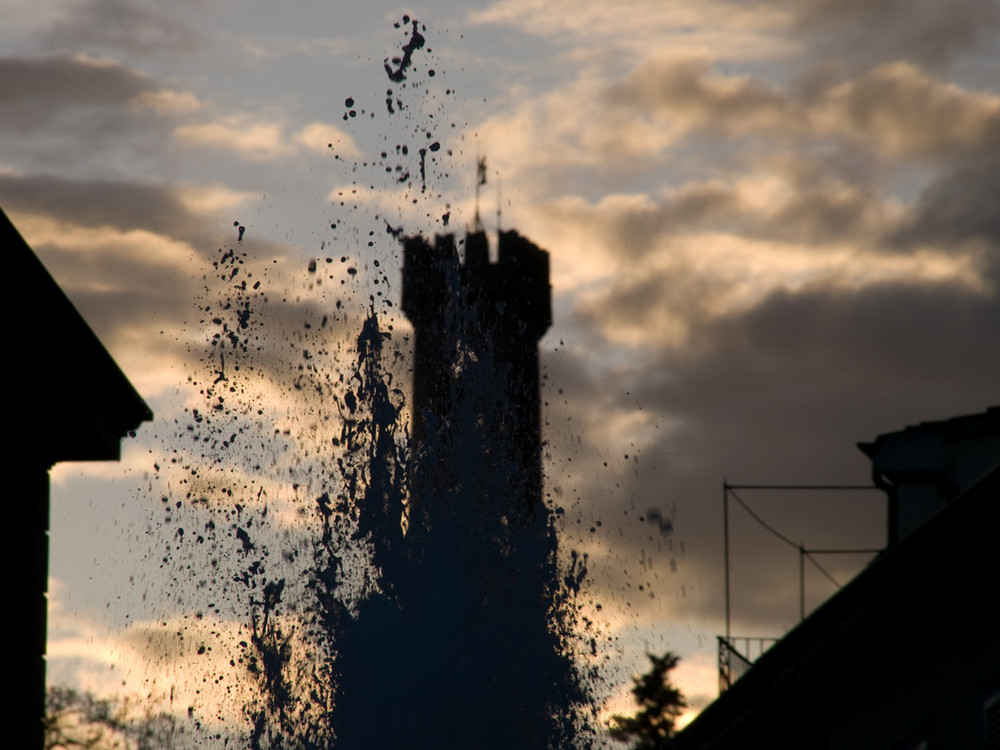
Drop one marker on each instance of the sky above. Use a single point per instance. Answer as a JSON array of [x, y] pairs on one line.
[[772, 233]]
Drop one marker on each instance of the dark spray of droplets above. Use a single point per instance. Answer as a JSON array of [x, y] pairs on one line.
[[461, 635], [433, 613]]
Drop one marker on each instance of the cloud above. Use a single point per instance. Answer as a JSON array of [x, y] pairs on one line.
[[956, 209], [703, 276], [761, 316], [780, 393], [638, 123], [893, 111], [901, 112], [820, 218], [862, 33], [127, 254], [120, 204], [212, 199], [856, 138], [71, 249], [166, 102], [689, 89], [52, 105], [319, 137], [645, 270], [252, 140], [129, 285], [34, 90], [136, 259], [132, 27], [733, 29]]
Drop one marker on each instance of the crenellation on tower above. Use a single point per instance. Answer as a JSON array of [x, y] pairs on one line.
[[517, 284], [426, 269], [524, 268]]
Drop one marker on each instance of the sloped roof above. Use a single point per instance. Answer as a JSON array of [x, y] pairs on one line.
[[68, 399]]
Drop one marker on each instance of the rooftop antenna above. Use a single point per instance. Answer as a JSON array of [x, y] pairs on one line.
[[480, 180]]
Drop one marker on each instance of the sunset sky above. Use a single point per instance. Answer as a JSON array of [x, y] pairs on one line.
[[773, 232]]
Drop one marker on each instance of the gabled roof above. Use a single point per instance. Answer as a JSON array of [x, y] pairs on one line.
[[67, 397], [909, 599]]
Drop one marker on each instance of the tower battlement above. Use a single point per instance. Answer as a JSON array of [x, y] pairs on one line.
[[515, 287]]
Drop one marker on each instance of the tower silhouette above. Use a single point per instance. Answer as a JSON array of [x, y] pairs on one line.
[[467, 610], [476, 425]]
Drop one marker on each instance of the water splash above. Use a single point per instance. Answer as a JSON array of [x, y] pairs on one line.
[[454, 633], [397, 589]]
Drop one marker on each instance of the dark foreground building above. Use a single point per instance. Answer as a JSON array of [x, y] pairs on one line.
[[66, 400], [906, 656]]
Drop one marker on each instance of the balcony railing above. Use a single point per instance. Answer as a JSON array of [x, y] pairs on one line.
[[734, 663]]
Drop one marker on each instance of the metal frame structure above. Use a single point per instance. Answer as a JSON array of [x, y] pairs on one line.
[[732, 663], [729, 489]]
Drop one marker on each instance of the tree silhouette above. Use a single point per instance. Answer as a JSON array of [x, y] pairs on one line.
[[660, 703], [80, 721]]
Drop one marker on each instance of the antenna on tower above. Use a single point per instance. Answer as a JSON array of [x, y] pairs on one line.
[[480, 180], [499, 202]]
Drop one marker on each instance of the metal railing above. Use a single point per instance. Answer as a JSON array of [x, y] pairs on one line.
[[734, 663]]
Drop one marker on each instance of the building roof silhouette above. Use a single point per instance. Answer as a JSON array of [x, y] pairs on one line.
[[71, 402], [67, 400], [905, 654]]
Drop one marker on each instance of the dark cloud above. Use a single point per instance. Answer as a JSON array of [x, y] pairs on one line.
[[67, 79], [884, 338], [823, 211], [782, 391], [74, 116], [813, 363], [33, 91], [863, 33], [782, 394], [902, 111], [122, 26], [119, 204], [959, 206]]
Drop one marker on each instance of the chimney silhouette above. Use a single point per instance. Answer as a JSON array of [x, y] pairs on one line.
[[476, 425]]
